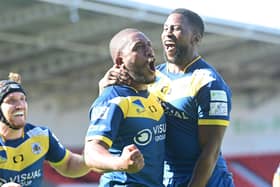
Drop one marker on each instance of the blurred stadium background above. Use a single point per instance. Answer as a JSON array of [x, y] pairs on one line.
[[60, 47]]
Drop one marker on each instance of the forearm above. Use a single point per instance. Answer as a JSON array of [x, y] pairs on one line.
[[103, 163], [210, 139], [101, 160], [77, 166], [74, 167], [203, 170]]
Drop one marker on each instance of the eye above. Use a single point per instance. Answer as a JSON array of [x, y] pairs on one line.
[[139, 46], [10, 101], [177, 28], [23, 98], [165, 28]]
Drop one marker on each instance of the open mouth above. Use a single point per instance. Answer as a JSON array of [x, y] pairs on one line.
[[18, 114], [169, 45], [151, 62]]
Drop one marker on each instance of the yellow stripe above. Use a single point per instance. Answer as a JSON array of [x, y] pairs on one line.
[[213, 122], [193, 61], [104, 139], [187, 86], [122, 103], [150, 108], [61, 162]]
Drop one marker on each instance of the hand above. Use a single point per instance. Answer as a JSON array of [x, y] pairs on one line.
[[133, 160], [11, 184], [276, 180], [115, 75]]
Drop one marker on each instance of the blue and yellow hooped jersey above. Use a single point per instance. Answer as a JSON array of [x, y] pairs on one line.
[[21, 160], [197, 96], [123, 116]]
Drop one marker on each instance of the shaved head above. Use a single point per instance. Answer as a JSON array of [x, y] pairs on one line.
[[119, 40]]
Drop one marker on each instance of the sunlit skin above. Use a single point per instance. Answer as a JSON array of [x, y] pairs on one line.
[[179, 42], [14, 108], [181, 36], [137, 56], [131, 50], [141, 58]]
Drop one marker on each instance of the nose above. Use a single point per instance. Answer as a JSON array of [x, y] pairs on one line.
[[150, 52], [20, 104]]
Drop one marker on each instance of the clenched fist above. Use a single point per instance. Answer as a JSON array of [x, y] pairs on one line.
[[132, 159]]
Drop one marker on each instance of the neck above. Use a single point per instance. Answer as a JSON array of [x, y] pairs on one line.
[[181, 68], [10, 134], [138, 86]]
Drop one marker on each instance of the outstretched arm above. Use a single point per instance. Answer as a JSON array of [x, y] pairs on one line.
[[73, 167], [99, 159]]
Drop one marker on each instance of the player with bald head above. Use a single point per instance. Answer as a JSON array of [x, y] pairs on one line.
[[127, 123], [123, 43], [197, 104]]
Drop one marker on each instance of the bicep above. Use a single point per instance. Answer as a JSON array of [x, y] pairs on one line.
[[211, 136]]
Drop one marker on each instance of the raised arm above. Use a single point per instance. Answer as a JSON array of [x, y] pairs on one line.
[[115, 75]]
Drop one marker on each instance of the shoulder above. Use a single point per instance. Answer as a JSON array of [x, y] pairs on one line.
[[115, 91], [112, 96], [34, 130]]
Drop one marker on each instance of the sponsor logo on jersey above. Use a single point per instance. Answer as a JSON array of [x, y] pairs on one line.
[[36, 148], [159, 132], [18, 158], [143, 137], [172, 111], [24, 179], [100, 112], [218, 109], [166, 90], [140, 106], [218, 95]]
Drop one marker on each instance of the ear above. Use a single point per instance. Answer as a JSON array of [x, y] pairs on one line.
[[196, 38], [119, 60]]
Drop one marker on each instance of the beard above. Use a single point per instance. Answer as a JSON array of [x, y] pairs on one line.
[[180, 55], [141, 78]]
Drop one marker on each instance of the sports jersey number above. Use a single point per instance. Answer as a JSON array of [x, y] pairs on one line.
[[152, 108]]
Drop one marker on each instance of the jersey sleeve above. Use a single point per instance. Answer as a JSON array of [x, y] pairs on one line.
[[57, 153], [105, 119], [214, 104]]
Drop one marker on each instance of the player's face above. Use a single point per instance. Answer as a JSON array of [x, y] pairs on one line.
[[176, 39], [138, 58], [14, 108]]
